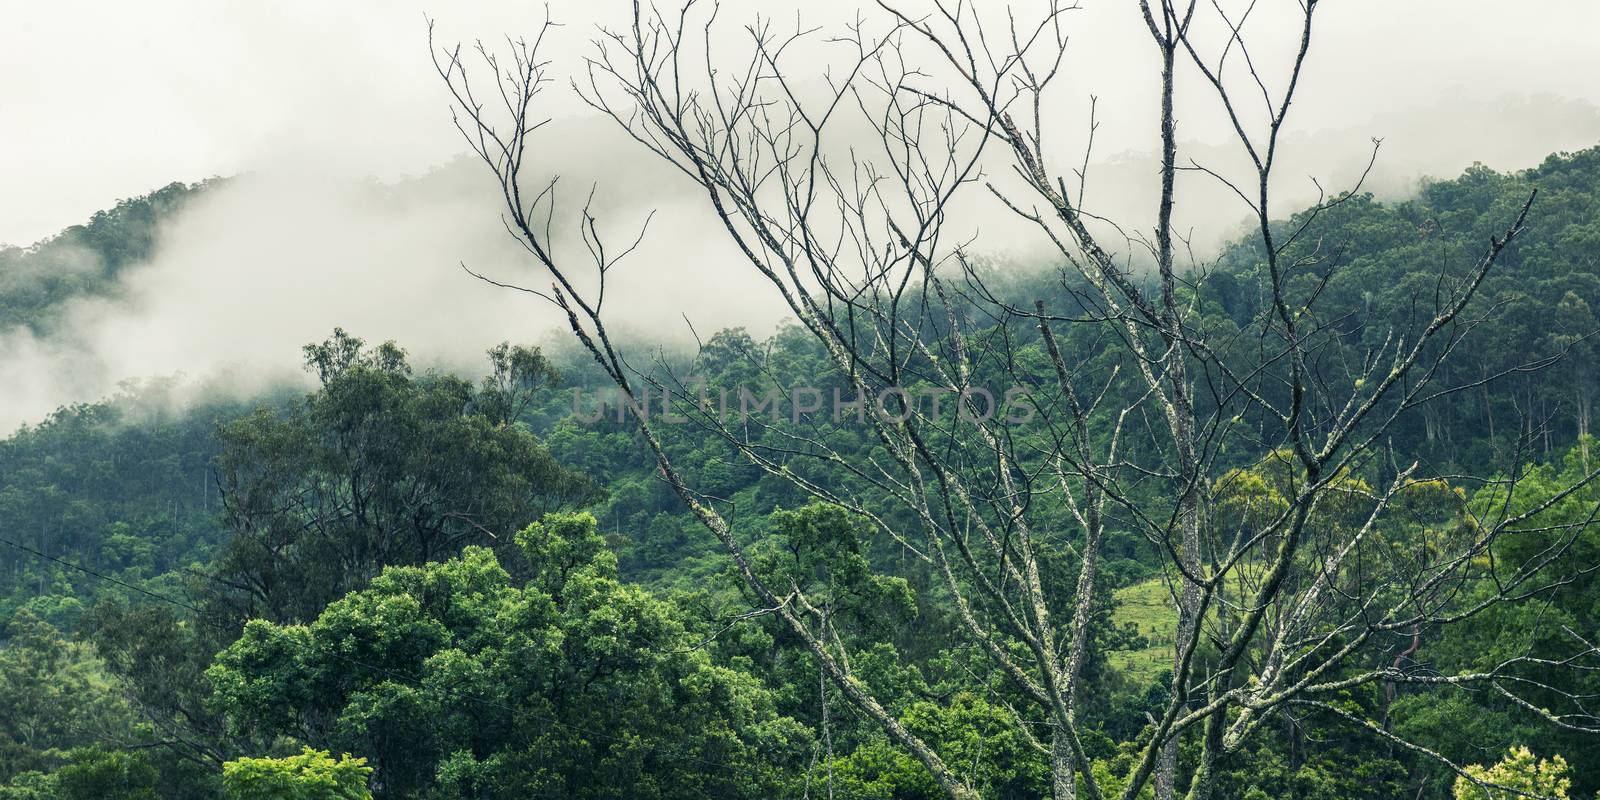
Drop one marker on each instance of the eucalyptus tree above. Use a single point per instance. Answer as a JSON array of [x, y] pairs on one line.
[[379, 466]]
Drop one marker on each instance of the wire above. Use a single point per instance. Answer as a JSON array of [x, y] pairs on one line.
[[107, 578]]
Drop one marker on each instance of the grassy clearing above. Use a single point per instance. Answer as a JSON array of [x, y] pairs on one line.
[[1148, 606]]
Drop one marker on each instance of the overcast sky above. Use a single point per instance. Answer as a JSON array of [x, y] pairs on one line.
[[101, 100], [314, 99]]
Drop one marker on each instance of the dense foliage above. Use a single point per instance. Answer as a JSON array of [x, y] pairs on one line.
[[84, 260], [423, 586]]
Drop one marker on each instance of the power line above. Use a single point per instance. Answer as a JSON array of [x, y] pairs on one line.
[[107, 578]]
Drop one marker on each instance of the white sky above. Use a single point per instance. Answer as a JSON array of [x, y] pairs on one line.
[[101, 100], [105, 100]]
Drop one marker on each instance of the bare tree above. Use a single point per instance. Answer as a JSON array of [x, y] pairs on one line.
[[1279, 610]]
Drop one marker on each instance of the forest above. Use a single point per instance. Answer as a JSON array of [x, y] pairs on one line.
[[1313, 517]]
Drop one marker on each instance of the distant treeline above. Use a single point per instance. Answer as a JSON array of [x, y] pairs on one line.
[[484, 596]]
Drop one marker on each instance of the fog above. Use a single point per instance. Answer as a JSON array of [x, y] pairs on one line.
[[352, 205]]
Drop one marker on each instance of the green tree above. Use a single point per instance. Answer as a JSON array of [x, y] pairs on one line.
[[107, 775], [55, 695], [89, 773], [1519, 774], [379, 466], [455, 680], [311, 775]]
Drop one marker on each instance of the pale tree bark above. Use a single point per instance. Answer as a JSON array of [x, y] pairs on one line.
[[1272, 617]]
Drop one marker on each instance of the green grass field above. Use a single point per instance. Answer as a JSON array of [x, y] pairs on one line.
[[1148, 606]]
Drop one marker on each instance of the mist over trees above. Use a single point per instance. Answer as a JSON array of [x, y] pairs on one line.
[[1311, 517]]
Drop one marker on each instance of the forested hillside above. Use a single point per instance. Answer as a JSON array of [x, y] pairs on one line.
[[84, 260], [427, 585]]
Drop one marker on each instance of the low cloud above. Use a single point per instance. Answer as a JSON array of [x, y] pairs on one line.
[[255, 268]]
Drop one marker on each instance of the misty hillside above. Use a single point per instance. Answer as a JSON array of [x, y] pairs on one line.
[[84, 260], [193, 581], [800, 400]]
